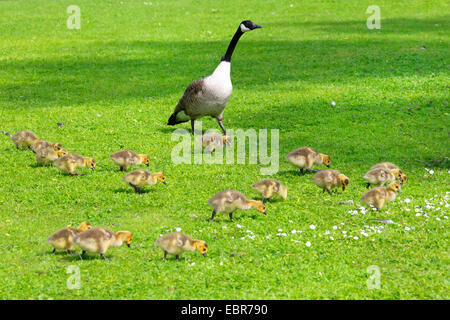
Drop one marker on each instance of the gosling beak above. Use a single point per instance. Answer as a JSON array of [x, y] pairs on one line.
[[328, 165], [399, 191], [164, 182], [128, 245], [343, 188], [148, 164], [93, 168], [265, 213], [204, 254]]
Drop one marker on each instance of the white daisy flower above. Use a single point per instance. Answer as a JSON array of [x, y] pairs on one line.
[[308, 244]]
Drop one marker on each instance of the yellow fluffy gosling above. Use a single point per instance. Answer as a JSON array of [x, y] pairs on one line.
[[228, 201], [43, 144], [270, 187], [176, 243], [385, 165], [63, 238], [24, 139], [72, 161], [98, 240], [329, 179], [305, 157], [381, 176], [212, 141], [127, 158], [47, 156], [141, 178], [377, 197]]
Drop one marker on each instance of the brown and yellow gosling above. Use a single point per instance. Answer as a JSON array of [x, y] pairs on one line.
[[127, 158], [267, 188], [377, 197], [176, 243], [63, 238], [305, 157], [141, 178], [329, 179], [72, 161], [228, 201]]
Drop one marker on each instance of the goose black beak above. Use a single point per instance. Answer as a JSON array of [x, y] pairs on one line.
[[257, 26]]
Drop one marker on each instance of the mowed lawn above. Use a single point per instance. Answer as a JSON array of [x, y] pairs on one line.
[[114, 83]]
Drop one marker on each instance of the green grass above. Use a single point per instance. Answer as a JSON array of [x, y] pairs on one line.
[[114, 84]]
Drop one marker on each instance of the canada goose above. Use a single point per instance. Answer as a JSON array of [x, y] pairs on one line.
[[42, 144], [305, 157], [98, 240], [46, 156], [176, 243], [209, 96], [377, 197], [381, 176], [141, 178], [70, 162], [126, 158], [228, 201], [329, 179], [270, 187], [63, 238], [24, 139]]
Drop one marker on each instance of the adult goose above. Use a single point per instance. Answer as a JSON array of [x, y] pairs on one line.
[[209, 96]]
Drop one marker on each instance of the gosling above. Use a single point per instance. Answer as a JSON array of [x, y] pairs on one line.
[[98, 240], [329, 179], [43, 144], [63, 238], [140, 178], [212, 141], [46, 157], [127, 158], [377, 197], [228, 201], [305, 157], [24, 139], [380, 176], [72, 161], [270, 187], [385, 165], [176, 243]]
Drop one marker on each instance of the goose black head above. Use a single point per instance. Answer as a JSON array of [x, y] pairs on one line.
[[248, 25]]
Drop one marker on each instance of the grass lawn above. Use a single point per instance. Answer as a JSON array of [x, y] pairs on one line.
[[114, 84]]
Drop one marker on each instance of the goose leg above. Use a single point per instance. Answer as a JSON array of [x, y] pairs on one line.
[[212, 217], [54, 250], [82, 254], [165, 255], [219, 119], [103, 256], [231, 216], [193, 126], [263, 199], [178, 257], [368, 185], [302, 172]]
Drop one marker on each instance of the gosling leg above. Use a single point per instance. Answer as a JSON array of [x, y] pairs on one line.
[[54, 250], [231, 216], [165, 255], [368, 185], [103, 256], [302, 172]]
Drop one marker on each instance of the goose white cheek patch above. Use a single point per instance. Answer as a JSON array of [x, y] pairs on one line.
[[244, 28]]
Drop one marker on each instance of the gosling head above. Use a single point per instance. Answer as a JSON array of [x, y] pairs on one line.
[[201, 246], [83, 227], [143, 158], [344, 181], [56, 146], [160, 177], [226, 140], [90, 162], [395, 186], [402, 179], [248, 25], [125, 236], [258, 205], [61, 152], [397, 173], [325, 159]]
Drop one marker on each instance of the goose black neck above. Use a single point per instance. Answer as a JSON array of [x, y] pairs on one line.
[[232, 45]]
